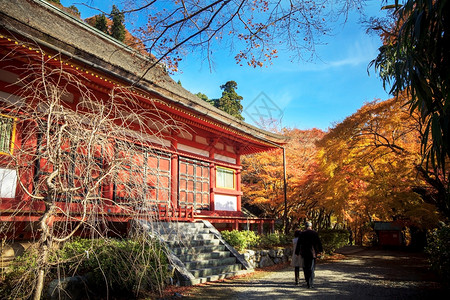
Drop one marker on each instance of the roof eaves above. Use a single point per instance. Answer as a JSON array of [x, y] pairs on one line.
[[157, 81]]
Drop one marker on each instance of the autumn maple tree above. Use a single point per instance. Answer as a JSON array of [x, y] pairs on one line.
[[371, 161], [414, 59], [263, 184], [367, 168]]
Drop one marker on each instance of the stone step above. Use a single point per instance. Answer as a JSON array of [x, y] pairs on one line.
[[204, 256], [186, 237], [192, 243], [216, 270], [200, 255], [176, 225], [196, 250], [215, 277], [192, 265], [187, 230]]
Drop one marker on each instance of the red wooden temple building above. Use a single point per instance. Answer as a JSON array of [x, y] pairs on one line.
[[199, 167]]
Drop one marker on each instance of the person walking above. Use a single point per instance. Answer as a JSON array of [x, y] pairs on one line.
[[309, 247], [297, 261]]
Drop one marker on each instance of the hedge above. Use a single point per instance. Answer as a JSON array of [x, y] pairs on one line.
[[438, 250], [333, 239]]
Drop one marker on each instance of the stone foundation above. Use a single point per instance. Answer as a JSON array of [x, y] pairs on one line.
[[267, 258]]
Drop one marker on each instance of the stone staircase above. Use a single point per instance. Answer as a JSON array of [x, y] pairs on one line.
[[198, 251]]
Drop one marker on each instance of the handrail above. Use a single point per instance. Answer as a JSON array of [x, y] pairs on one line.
[[175, 214]]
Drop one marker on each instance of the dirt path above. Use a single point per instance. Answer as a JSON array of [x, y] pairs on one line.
[[363, 274]]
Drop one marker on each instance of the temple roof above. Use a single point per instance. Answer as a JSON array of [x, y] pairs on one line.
[[53, 29]]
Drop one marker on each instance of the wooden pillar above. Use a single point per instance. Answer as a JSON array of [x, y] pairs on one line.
[[108, 187], [174, 181], [260, 226], [212, 185], [174, 173], [212, 173], [238, 188], [236, 225], [238, 183]]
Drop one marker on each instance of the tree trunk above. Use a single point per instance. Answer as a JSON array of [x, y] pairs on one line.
[[41, 273], [45, 246]]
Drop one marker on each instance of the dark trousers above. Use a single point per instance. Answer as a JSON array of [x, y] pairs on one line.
[[297, 274], [309, 265]]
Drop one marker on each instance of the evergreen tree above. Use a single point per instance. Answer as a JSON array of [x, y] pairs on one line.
[[230, 101], [74, 11], [205, 98], [117, 28], [100, 23]]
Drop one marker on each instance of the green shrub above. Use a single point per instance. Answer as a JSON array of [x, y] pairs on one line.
[[270, 240], [438, 250], [333, 239], [125, 267], [235, 238], [241, 239], [249, 239], [20, 276], [252, 238], [286, 239], [275, 239]]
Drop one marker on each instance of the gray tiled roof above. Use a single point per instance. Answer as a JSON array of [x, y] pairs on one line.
[[50, 27]]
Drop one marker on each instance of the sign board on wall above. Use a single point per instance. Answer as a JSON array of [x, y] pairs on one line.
[[8, 183], [225, 202]]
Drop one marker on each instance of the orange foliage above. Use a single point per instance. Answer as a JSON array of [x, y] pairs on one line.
[[370, 162], [364, 169], [262, 176]]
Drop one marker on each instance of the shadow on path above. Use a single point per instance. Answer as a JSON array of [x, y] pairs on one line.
[[364, 274]]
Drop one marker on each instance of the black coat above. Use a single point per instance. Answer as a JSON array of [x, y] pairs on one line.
[[308, 244]]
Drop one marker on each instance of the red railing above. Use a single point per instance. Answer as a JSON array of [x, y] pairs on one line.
[[175, 214]]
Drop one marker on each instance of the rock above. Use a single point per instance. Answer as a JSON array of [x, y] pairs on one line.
[[273, 253], [280, 253], [68, 288], [251, 252], [266, 261]]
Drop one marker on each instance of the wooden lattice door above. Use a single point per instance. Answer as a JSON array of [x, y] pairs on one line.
[[193, 180]]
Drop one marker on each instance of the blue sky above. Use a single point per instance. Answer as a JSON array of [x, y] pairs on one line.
[[300, 94]]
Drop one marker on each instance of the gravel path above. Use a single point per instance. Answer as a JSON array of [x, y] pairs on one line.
[[363, 274]]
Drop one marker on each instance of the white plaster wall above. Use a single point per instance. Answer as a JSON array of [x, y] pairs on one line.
[[8, 183], [225, 202]]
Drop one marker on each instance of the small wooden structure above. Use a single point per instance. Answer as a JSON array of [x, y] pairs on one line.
[[389, 234]]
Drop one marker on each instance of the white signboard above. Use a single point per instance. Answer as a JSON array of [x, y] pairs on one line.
[[225, 202], [8, 183]]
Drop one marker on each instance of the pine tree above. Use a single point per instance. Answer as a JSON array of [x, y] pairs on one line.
[[117, 28], [230, 101], [100, 23], [205, 98]]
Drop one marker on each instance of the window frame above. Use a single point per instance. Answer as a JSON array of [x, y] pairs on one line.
[[12, 135], [76, 160], [227, 171], [145, 170]]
